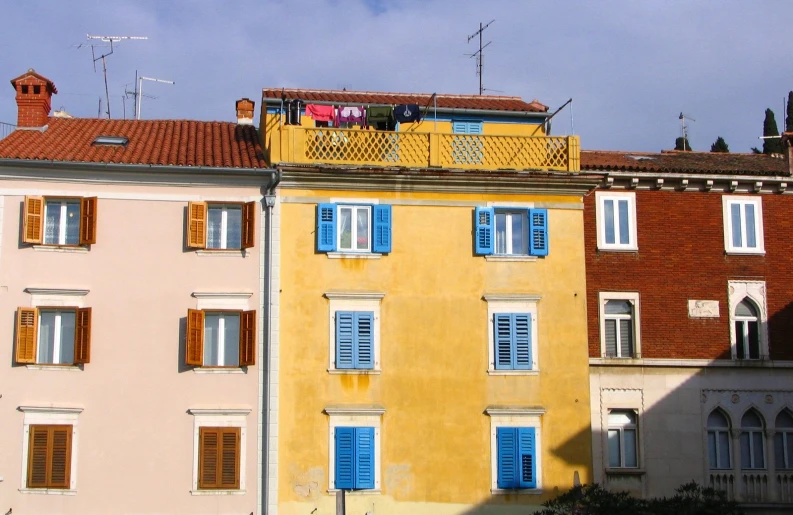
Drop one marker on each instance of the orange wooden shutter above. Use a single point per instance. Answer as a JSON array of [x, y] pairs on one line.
[[60, 456], [247, 338], [49, 456], [209, 439], [248, 225], [197, 225], [38, 444], [88, 221], [194, 340], [33, 219], [27, 335], [82, 336], [230, 458]]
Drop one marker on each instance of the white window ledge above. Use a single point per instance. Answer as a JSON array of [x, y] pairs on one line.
[[359, 372], [353, 255], [332, 491], [507, 257], [48, 491], [211, 370], [524, 491], [64, 368], [513, 372], [745, 252], [625, 250], [217, 492], [55, 248], [223, 252]]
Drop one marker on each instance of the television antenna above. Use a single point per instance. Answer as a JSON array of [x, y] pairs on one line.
[[479, 54], [139, 98], [684, 128], [111, 40], [134, 94]]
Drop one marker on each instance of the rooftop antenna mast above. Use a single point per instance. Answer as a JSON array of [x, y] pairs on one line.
[[111, 40], [684, 129], [141, 78], [480, 65]]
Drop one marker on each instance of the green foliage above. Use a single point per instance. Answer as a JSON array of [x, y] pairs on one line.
[[689, 499], [682, 144], [771, 145], [789, 119], [720, 145]]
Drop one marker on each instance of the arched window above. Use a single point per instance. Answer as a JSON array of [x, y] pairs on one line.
[[752, 441], [747, 330], [623, 452], [619, 328], [718, 441], [783, 441]]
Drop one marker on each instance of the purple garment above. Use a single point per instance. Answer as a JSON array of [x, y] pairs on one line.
[[350, 114]]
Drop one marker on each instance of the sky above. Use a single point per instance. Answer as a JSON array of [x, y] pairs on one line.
[[630, 66]]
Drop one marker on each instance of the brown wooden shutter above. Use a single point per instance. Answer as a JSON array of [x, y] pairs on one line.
[[38, 444], [197, 225], [247, 338], [194, 338], [82, 336], [60, 456], [248, 225], [27, 334], [49, 456], [208, 457], [219, 458], [230, 458], [33, 219], [88, 221]]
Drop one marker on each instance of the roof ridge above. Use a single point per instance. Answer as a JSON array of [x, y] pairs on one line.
[[398, 94]]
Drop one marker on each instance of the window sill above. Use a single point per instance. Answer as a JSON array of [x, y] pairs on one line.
[[618, 249], [57, 248], [66, 368], [376, 491], [508, 258], [625, 471], [363, 372], [524, 491], [534, 372], [223, 252], [48, 491], [353, 255], [733, 252], [217, 492], [219, 370]]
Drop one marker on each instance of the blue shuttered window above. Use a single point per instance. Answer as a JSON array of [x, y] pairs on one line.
[[512, 340], [510, 231], [483, 230], [326, 227], [538, 232], [354, 339], [516, 457], [382, 229], [354, 461], [328, 230]]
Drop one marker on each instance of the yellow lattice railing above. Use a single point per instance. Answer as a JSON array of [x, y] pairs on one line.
[[414, 149]]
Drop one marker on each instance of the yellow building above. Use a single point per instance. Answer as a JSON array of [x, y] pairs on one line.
[[428, 348]]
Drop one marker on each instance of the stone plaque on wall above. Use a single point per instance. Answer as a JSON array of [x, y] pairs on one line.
[[703, 308]]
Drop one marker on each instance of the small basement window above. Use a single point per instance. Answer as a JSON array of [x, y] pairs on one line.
[[111, 140]]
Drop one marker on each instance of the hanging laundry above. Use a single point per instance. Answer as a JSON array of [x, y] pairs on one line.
[[407, 113], [350, 114], [381, 118], [320, 113]]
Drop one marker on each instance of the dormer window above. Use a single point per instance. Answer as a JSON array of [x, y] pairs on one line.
[[119, 141]]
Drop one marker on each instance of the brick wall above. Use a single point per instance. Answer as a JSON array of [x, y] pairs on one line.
[[33, 106], [681, 256]]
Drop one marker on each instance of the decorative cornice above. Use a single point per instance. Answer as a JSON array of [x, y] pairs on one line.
[[221, 295], [514, 297], [353, 410], [504, 411], [219, 411], [50, 410], [696, 182], [56, 291], [353, 295]]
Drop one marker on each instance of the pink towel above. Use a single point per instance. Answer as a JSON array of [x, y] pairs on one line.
[[320, 113]]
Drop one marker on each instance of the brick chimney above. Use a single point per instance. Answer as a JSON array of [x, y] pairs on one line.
[[34, 96], [245, 111]]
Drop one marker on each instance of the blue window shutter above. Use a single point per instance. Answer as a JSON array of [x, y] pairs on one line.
[[507, 453], [459, 127], [503, 338], [538, 232], [364, 458], [484, 220], [345, 339], [527, 455], [364, 340], [522, 341], [326, 227], [382, 229], [474, 127], [345, 458]]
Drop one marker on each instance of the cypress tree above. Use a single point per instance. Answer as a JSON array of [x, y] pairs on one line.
[[681, 143], [720, 145], [789, 120], [771, 145]]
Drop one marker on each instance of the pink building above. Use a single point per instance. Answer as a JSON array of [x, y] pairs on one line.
[[131, 280]]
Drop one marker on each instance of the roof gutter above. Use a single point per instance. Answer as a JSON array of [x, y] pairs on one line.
[[121, 167]]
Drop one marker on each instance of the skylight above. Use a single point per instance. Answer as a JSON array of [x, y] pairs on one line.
[[118, 141]]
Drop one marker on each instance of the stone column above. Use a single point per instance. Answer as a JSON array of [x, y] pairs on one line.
[[736, 463], [773, 494]]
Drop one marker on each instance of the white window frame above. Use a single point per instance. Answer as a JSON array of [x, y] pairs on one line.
[[221, 337], [63, 219], [633, 298], [221, 301], [756, 291], [40, 415], [353, 301], [786, 434], [224, 227], [54, 298], [219, 417], [354, 416], [353, 227], [750, 432], [727, 202], [620, 428], [510, 212], [515, 417], [716, 431], [57, 335], [600, 200], [512, 303]]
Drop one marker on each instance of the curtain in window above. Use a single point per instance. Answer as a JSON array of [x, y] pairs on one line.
[[623, 220], [67, 336], [52, 222], [345, 228], [211, 339], [46, 347], [231, 349], [214, 227], [735, 213], [72, 223], [233, 227], [362, 227]]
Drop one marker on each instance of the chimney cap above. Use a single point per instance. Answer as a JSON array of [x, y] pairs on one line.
[[31, 72]]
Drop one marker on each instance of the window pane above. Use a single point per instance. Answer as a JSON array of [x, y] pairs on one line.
[[631, 459], [614, 448], [214, 223], [754, 341], [211, 339], [501, 233], [46, 346], [717, 419], [67, 337], [233, 227], [750, 419], [746, 309], [608, 215], [519, 245], [231, 350], [759, 450], [712, 450], [72, 223], [779, 451], [618, 307], [724, 450], [622, 418], [623, 212], [345, 228], [740, 339], [362, 228], [735, 214], [746, 457], [751, 237], [626, 338], [611, 337], [784, 420], [52, 222]]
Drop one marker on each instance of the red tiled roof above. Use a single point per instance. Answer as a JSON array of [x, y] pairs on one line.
[[151, 142], [684, 162], [487, 102]]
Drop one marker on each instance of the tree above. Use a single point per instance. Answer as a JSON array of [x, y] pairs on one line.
[[681, 143], [720, 145], [771, 145], [789, 120]]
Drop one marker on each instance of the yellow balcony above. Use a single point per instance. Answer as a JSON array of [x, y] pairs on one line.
[[304, 145]]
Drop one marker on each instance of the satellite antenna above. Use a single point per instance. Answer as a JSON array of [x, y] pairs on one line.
[[140, 90], [479, 54], [109, 39], [684, 129]]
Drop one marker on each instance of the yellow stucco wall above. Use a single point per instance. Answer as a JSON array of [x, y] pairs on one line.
[[434, 383]]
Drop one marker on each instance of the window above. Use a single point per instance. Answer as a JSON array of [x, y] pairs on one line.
[[743, 224], [718, 441], [619, 324], [353, 228], [219, 458], [752, 441], [516, 457], [53, 336], [510, 231], [354, 339], [783, 441], [512, 336], [747, 332], [49, 456], [59, 221], [220, 338], [748, 319], [616, 221], [221, 226], [354, 447], [468, 147], [622, 439]]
